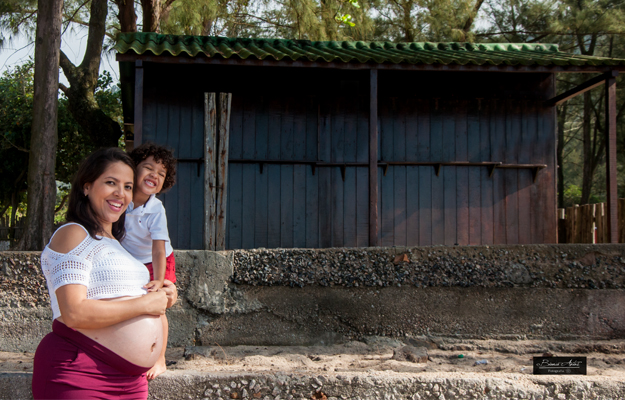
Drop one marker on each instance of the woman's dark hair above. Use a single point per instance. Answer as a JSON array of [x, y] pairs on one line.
[[79, 208], [161, 154]]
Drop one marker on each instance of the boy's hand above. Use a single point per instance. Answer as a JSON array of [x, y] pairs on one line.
[[154, 285], [171, 291]]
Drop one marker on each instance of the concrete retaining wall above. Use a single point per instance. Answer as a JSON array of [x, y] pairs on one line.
[[300, 297]]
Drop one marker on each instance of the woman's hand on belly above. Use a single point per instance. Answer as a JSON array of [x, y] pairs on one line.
[[138, 340], [79, 312], [155, 302]]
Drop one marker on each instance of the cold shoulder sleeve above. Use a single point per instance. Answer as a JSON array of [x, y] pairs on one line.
[[73, 267], [69, 269]]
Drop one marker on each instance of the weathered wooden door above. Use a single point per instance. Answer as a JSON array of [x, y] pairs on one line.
[[297, 173]]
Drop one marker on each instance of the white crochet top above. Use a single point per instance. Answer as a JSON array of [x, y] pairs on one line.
[[103, 266]]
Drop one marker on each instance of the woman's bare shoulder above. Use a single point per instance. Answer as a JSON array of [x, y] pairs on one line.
[[67, 238]]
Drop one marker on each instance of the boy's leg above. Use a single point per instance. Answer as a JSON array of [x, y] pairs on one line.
[[160, 365]]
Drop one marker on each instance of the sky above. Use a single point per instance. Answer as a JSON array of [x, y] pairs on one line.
[[73, 45]]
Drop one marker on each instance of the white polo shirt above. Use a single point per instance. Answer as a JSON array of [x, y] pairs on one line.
[[145, 224]]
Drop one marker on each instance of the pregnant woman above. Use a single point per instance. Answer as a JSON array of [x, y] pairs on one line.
[[107, 328]]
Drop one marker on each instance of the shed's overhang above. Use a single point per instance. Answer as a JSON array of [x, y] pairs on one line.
[[151, 48], [521, 57]]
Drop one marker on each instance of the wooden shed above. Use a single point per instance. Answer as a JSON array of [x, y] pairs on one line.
[[300, 144]]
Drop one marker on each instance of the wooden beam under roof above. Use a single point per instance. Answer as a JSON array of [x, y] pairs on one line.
[[579, 89]]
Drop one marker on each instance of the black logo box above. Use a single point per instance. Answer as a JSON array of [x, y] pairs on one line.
[[560, 365]]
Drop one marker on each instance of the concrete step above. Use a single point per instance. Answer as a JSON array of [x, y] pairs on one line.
[[377, 369], [175, 385]]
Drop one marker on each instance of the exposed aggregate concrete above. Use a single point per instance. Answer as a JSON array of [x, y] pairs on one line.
[[211, 386], [22, 284], [540, 266], [372, 387]]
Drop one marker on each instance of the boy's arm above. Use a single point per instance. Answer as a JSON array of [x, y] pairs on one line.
[[159, 264]]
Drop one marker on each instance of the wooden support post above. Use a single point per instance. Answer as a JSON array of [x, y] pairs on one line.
[[561, 225], [570, 225], [621, 218], [223, 139], [577, 236], [610, 150], [373, 157], [210, 173], [599, 223], [138, 122]]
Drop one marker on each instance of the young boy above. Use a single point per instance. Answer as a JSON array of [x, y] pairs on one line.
[[147, 238]]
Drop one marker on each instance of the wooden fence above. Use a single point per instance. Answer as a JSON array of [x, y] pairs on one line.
[[8, 232], [588, 223]]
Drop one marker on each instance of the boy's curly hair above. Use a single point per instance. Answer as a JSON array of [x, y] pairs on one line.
[[161, 154]]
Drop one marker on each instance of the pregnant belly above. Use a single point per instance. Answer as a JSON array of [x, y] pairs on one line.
[[138, 340]]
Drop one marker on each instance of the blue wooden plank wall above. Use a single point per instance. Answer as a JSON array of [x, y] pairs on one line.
[[463, 205], [287, 205], [176, 119]]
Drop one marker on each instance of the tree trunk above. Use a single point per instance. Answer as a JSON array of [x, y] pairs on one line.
[[41, 182], [587, 153], [127, 16], [165, 9], [407, 26], [588, 170], [103, 131], [151, 15], [560, 156]]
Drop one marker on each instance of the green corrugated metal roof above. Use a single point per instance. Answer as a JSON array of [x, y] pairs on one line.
[[358, 52]]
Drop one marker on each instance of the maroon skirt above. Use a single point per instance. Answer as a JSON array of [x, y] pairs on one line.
[[70, 365]]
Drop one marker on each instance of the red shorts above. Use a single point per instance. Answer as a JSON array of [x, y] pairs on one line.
[[70, 365], [170, 269]]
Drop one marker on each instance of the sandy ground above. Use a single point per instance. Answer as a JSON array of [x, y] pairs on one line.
[[605, 358]]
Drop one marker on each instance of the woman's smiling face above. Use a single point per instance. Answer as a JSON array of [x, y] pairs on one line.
[[110, 194]]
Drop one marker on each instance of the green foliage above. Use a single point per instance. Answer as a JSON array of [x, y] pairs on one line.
[[62, 195], [16, 102], [293, 19], [573, 194], [345, 19], [17, 17], [73, 145], [519, 21], [16, 99]]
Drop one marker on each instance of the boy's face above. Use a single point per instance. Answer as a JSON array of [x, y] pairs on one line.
[[150, 176]]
